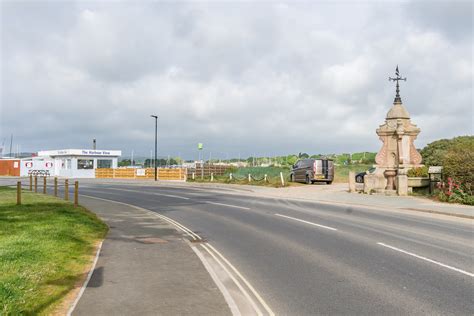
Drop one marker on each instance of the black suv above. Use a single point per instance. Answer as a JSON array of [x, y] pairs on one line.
[[313, 170]]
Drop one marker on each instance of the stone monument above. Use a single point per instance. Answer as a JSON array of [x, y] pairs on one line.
[[398, 152]]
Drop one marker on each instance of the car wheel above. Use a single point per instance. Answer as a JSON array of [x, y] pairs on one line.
[[328, 182], [308, 181], [359, 179]]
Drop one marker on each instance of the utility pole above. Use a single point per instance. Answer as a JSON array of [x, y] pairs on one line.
[[11, 143], [156, 145]]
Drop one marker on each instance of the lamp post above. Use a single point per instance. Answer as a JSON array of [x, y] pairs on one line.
[[156, 144]]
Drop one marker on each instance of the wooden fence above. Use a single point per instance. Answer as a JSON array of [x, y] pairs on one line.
[[148, 173]]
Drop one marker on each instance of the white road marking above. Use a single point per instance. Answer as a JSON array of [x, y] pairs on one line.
[[246, 294], [152, 193], [427, 259], [84, 286], [306, 222], [228, 298], [260, 299], [184, 229], [196, 236], [228, 205]]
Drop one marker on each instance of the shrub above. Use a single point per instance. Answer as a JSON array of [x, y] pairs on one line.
[[458, 164], [454, 192], [433, 154], [418, 172]]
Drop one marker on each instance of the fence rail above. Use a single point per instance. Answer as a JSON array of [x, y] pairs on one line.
[[148, 173]]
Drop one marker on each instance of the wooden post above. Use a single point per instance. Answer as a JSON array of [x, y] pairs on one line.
[[76, 193], [66, 190], [36, 184], [281, 177], [212, 176], [18, 193], [44, 185], [55, 186], [31, 182]]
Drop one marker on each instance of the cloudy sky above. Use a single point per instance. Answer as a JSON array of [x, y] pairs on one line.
[[241, 77]]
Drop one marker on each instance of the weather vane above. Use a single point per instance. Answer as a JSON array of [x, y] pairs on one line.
[[397, 78]]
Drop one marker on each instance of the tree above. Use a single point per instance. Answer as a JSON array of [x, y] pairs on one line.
[[124, 163], [433, 154]]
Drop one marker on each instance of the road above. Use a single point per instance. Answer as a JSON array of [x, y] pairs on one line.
[[307, 258]]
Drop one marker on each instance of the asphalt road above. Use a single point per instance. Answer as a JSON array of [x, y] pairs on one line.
[[308, 258]]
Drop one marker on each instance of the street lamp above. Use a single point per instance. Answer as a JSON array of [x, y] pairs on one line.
[[156, 143]]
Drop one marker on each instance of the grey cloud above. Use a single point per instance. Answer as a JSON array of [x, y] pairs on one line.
[[265, 78]]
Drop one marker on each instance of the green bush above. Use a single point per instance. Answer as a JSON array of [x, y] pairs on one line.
[[433, 154], [458, 164], [418, 172]]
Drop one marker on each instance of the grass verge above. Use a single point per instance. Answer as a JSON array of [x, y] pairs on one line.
[[45, 246]]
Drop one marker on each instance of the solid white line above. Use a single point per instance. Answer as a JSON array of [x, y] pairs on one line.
[[174, 223], [427, 259], [228, 205], [228, 298], [260, 299], [241, 288], [84, 286], [306, 222]]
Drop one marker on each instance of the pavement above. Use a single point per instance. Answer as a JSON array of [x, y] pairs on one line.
[[146, 267]]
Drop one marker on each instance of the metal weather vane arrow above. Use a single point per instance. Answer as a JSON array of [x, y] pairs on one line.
[[397, 78]]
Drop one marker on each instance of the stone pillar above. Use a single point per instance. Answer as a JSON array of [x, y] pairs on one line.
[[402, 182], [352, 183]]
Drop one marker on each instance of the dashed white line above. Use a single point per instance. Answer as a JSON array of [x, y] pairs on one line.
[[152, 193], [228, 205], [306, 222], [427, 259]]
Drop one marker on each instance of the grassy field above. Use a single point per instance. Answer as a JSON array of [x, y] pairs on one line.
[[240, 175], [342, 172], [45, 246]]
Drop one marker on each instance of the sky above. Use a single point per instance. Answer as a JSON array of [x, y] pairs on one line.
[[243, 78]]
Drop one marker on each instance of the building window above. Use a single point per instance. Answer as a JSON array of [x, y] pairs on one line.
[[68, 164], [104, 163], [85, 164]]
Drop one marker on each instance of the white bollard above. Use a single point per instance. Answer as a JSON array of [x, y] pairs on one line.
[[281, 177], [230, 176], [250, 179], [212, 176], [193, 175], [265, 179]]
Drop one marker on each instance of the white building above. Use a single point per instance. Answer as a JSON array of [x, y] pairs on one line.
[[71, 163]]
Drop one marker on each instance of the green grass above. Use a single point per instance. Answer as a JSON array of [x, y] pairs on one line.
[[341, 173], [240, 175], [45, 246]]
